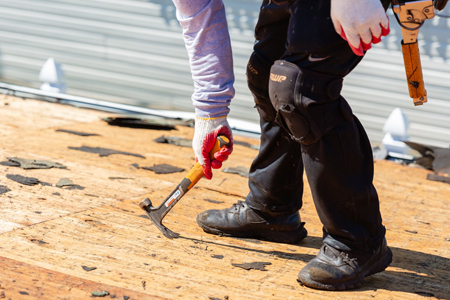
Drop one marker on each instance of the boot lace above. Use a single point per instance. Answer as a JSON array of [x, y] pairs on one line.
[[352, 262], [237, 206]]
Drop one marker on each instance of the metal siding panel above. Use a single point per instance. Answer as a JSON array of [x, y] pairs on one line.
[[132, 51]]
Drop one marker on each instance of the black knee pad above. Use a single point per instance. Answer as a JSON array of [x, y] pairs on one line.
[[307, 104], [257, 80]]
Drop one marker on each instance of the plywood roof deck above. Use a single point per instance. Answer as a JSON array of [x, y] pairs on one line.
[[48, 233]]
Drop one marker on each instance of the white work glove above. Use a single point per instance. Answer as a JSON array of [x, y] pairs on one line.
[[360, 22], [206, 132]]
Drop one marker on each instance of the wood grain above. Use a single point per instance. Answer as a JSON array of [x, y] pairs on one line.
[[47, 233]]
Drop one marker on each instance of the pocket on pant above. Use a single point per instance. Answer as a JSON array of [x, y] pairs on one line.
[[297, 127]]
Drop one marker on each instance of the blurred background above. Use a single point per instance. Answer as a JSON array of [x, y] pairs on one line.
[[131, 51]]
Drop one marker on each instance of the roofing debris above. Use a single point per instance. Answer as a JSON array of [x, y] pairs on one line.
[[38, 242], [148, 122], [65, 182], [88, 269], [104, 151], [243, 171], [261, 266], [174, 140], [433, 158], [163, 169], [183, 142], [4, 189], [22, 179], [100, 294], [440, 178], [31, 163], [76, 132]]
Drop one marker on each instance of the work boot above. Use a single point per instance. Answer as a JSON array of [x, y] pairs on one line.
[[333, 269], [242, 221]]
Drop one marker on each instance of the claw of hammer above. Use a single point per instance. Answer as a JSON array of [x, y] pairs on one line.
[[157, 214]]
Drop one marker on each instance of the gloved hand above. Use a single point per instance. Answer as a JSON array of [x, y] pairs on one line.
[[360, 22], [206, 132]]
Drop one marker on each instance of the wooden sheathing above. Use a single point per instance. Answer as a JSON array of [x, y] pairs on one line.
[[47, 233]]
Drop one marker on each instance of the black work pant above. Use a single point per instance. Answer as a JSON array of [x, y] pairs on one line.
[[339, 166]]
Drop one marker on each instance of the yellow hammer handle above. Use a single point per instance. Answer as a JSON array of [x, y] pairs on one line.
[[414, 75], [196, 173]]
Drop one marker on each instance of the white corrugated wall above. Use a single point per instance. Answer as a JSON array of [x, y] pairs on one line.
[[131, 51]]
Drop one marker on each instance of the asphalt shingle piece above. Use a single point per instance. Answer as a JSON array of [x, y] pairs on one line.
[[433, 158], [33, 163], [163, 169], [77, 132], [243, 171], [4, 189], [65, 182], [104, 151], [22, 179], [174, 140], [261, 266], [147, 123]]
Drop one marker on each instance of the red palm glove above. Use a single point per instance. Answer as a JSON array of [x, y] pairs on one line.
[[360, 22], [206, 132]]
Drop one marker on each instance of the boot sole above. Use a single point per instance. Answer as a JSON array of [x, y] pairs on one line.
[[286, 237], [380, 266]]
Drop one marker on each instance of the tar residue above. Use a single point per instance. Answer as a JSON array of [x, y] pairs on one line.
[[104, 151]]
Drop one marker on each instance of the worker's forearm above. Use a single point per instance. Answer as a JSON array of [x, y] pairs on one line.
[[207, 41]]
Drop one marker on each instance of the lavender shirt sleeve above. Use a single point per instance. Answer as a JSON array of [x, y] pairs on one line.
[[207, 41]]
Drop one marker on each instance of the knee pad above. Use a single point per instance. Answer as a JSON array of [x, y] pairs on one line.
[[307, 104], [257, 80]]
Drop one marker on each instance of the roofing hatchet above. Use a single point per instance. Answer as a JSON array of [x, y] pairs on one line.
[[157, 214]]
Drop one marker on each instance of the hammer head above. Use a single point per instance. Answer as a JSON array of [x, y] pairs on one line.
[[156, 214]]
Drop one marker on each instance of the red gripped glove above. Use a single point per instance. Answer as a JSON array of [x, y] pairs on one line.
[[360, 22], [206, 132]]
